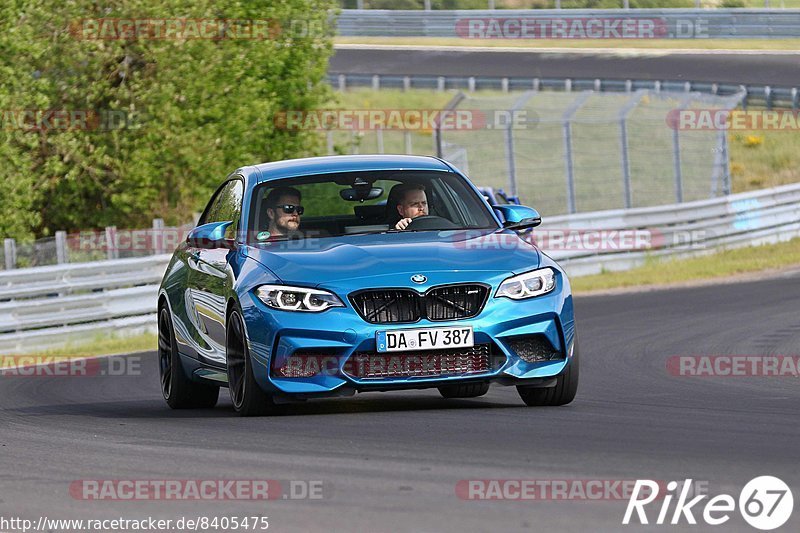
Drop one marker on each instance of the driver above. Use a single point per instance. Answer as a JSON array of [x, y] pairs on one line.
[[284, 211], [411, 203]]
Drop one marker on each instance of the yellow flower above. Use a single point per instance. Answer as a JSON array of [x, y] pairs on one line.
[[753, 140]]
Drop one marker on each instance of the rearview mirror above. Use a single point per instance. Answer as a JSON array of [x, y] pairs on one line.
[[209, 236], [360, 194], [518, 217]]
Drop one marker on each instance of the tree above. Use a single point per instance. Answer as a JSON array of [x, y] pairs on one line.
[[123, 126]]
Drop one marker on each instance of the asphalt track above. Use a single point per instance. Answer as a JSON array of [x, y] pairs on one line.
[[758, 69], [391, 461]]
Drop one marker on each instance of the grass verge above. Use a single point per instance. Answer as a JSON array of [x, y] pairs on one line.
[[723, 264], [111, 344]]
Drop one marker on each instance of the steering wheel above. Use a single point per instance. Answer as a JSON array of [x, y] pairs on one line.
[[426, 222]]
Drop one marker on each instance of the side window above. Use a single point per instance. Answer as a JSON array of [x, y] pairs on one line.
[[226, 205]]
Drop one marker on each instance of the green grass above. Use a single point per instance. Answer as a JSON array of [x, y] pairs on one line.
[[763, 159], [721, 265], [111, 344], [655, 44]]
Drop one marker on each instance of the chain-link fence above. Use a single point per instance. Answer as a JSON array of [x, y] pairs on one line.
[[576, 151], [590, 151]]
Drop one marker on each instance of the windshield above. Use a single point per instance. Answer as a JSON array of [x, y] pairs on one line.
[[362, 202]]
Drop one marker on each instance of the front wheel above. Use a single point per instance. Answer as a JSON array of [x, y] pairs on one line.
[[564, 391], [248, 398], [178, 390]]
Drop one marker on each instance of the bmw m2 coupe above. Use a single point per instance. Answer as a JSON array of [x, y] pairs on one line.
[[328, 276]]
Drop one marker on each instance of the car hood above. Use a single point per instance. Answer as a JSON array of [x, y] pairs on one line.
[[390, 259]]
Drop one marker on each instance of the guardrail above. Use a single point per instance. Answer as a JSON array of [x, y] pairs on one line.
[[48, 306], [573, 23], [768, 96], [502, 5], [680, 230]]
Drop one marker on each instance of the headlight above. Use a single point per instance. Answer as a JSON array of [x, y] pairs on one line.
[[297, 298], [528, 285]]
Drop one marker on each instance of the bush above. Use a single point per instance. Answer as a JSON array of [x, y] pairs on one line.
[[193, 110]]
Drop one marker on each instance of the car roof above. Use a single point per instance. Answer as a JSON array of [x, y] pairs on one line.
[[346, 163]]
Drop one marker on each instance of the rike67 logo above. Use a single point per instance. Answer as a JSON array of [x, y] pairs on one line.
[[765, 503]]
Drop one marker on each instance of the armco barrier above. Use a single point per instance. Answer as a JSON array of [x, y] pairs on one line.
[[656, 23], [47, 306]]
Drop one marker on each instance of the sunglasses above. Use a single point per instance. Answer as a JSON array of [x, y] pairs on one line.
[[291, 208]]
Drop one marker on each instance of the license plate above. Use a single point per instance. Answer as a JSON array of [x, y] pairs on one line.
[[425, 339]]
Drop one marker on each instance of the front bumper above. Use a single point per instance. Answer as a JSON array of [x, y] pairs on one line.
[[341, 334]]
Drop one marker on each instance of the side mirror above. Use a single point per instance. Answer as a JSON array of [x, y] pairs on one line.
[[518, 217], [209, 236]]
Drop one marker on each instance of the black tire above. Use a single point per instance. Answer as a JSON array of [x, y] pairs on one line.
[[464, 390], [248, 398], [564, 391], [178, 390]]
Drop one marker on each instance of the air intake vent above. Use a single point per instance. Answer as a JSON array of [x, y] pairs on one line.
[[446, 302]]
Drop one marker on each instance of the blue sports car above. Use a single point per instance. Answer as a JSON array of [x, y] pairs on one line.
[[328, 276]]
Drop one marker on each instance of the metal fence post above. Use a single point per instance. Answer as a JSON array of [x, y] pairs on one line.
[[437, 131], [676, 165], [61, 248], [511, 163], [10, 253], [376, 82], [111, 242], [329, 141], [157, 237], [342, 82], [676, 154], [726, 171], [567, 132], [626, 110], [379, 138], [626, 164], [407, 142]]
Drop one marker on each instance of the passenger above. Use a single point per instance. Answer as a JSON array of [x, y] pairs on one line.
[[284, 212]]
